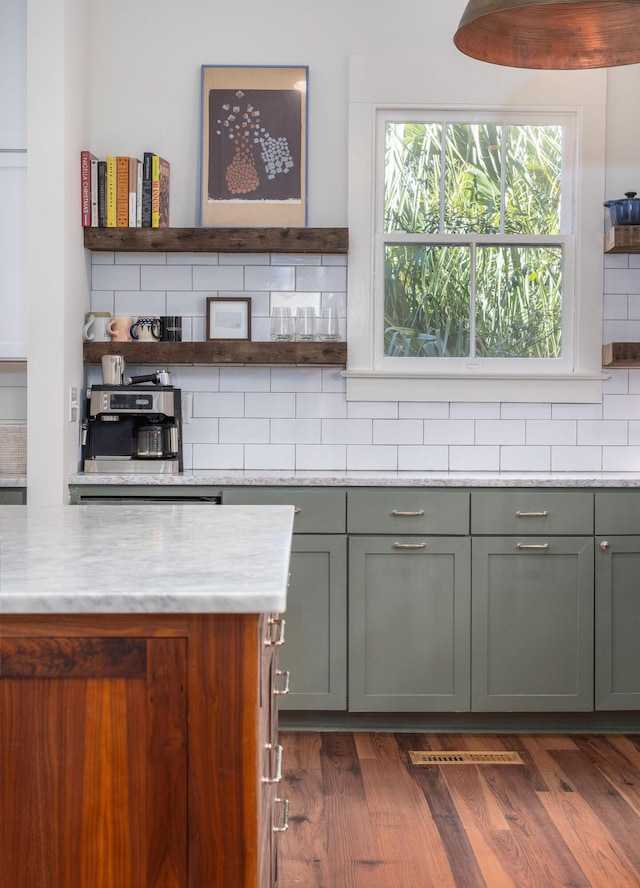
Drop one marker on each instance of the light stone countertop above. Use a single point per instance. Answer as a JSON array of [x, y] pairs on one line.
[[370, 479], [163, 558], [7, 480]]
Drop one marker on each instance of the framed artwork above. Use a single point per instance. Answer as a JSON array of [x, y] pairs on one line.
[[228, 318], [253, 159]]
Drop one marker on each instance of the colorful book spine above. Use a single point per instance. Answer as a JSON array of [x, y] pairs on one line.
[[164, 176], [146, 189], [155, 191], [94, 192], [111, 191], [133, 190], [102, 194], [122, 191], [85, 186], [139, 197]]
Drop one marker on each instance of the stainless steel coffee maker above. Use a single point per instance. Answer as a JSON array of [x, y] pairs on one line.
[[130, 428]]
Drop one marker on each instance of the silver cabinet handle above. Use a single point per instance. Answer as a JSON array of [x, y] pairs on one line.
[[271, 747], [279, 692], [532, 545], [279, 638], [604, 545], [297, 511], [544, 514], [398, 514], [285, 816], [409, 545]]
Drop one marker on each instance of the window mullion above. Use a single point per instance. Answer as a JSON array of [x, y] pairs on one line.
[[472, 301]]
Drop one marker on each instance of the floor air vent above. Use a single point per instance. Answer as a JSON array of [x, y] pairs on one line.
[[447, 757]]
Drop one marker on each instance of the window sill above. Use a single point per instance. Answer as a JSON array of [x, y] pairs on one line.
[[575, 389]]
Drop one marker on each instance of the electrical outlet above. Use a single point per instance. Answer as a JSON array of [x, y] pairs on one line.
[[73, 404]]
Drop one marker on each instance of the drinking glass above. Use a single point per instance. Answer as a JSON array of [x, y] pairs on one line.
[[282, 323], [306, 323], [330, 323]]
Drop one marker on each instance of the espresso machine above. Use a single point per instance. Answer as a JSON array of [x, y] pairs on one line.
[[132, 428]]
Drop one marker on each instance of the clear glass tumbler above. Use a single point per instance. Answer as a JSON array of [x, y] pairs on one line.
[[282, 327], [330, 323], [306, 323]]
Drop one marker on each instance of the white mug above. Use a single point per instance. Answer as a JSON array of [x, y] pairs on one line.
[[95, 327]]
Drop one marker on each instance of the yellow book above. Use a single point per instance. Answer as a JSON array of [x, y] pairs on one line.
[[110, 190], [155, 191]]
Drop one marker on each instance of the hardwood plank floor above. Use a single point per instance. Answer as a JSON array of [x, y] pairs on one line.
[[363, 816]]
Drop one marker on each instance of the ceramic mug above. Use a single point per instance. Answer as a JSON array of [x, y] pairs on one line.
[[146, 330], [95, 327], [119, 329]]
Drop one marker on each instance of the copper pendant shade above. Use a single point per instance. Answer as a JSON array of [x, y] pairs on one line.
[[553, 34]]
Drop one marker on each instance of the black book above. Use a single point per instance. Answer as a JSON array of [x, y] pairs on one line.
[[146, 189], [102, 194]]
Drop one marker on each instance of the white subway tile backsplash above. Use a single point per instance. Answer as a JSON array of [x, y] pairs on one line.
[[398, 431], [576, 459], [621, 459], [556, 431], [296, 431], [243, 431], [245, 379], [449, 431], [501, 431], [271, 404], [273, 419], [525, 459], [270, 456], [604, 432], [115, 277], [324, 405], [347, 431], [270, 277], [474, 459], [423, 458], [373, 459], [325, 457]]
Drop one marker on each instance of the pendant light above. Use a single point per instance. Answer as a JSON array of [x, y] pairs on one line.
[[554, 34]]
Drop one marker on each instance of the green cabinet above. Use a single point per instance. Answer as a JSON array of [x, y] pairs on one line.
[[532, 626], [314, 658], [617, 676], [409, 600], [409, 610], [13, 496]]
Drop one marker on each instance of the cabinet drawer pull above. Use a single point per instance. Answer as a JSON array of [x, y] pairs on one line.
[[285, 815], [270, 747], [279, 638], [409, 545], [279, 692], [297, 511], [544, 514], [532, 545], [604, 545], [398, 514]]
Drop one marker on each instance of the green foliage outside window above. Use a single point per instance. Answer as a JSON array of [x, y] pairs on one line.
[[485, 298]]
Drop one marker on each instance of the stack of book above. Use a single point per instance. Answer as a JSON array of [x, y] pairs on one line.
[[124, 192]]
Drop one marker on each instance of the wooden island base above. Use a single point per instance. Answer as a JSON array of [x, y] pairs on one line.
[[133, 750]]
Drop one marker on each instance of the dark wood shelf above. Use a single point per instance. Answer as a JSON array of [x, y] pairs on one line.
[[218, 240], [621, 354], [622, 239], [220, 351]]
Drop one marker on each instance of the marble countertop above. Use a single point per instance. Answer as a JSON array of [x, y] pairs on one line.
[[371, 479], [144, 559], [7, 480]]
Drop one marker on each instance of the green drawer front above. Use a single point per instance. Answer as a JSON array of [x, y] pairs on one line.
[[408, 511], [13, 496], [617, 511], [317, 511], [532, 512]]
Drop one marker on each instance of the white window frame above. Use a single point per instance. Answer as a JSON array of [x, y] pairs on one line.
[[381, 85]]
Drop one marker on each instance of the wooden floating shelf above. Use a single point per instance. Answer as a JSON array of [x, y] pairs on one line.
[[218, 240], [220, 351], [622, 239], [621, 354]]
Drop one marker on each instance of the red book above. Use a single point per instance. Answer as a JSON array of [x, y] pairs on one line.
[[85, 186]]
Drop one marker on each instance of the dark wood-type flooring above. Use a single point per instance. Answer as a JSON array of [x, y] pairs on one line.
[[362, 816]]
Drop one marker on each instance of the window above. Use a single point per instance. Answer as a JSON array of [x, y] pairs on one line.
[[478, 271]]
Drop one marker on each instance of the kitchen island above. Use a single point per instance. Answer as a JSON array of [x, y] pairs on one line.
[[138, 727]]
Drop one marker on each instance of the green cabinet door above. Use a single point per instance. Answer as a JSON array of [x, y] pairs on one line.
[[618, 622], [13, 496], [315, 649], [409, 623], [532, 625]]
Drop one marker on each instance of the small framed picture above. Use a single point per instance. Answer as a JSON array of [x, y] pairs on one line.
[[229, 318]]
